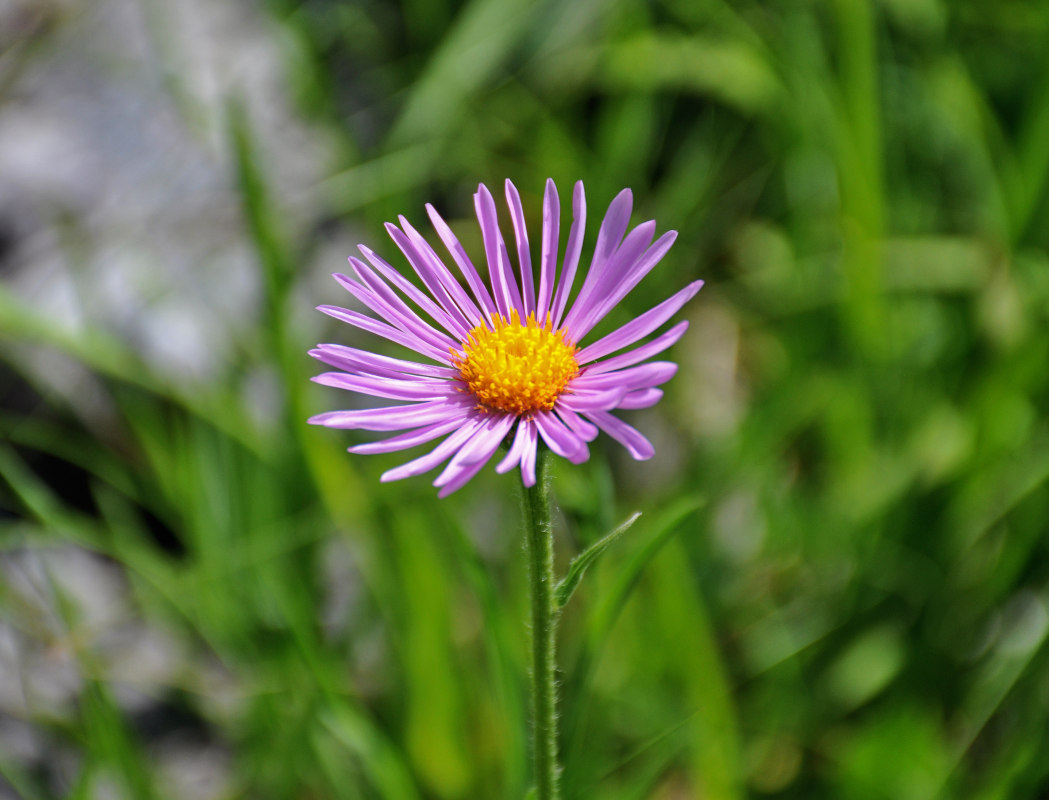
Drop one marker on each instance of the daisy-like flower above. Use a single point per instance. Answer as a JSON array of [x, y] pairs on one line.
[[505, 358]]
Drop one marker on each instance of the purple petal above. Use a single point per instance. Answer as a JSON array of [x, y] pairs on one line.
[[418, 466], [594, 400], [474, 454], [391, 308], [640, 327], [478, 448], [530, 449], [524, 255], [515, 290], [615, 292], [613, 227], [365, 363], [639, 354], [410, 290], [636, 444], [421, 389], [426, 274], [581, 455], [462, 299], [639, 377], [462, 260], [513, 457], [641, 398], [488, 440], [572, 251], [393, 418], [575, 423], [507, 297], [548, 264], [560, 438], [371, 325], [441, 284], [462, 478], [405, 440], [605, 275]]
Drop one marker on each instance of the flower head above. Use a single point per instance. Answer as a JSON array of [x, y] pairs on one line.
[[505, 357]]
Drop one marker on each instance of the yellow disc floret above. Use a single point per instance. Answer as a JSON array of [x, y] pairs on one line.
[[517, 367]]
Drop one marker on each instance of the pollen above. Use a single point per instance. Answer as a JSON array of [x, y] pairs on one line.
[[517, 367]]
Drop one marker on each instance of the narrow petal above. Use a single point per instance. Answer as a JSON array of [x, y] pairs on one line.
[[487, 441], [507, 296], [603, 276], [462, 477], [575, 423], [513, 457], [636, 444], [524, 255], [462, 260], [474, 454], [639, 354], [392, 418], [641, 398], [529, 452], [629, 379], [413, 438], [594, 400], [582, 454], [425, 273], [614, 225], [609, 236], [410, 290], [639, 327], [515, 289], [443, 451], [614, 293], [364, 322], [365, 363], [548, 264], [394, 310], [380, 287], [560, 439], [389, 387], [435, 274], [572, 252], [462, 299]]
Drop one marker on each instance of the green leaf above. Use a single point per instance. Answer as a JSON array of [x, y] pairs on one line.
[[567, 585]]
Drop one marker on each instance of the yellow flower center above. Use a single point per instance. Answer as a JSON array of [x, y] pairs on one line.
[[515, 367]]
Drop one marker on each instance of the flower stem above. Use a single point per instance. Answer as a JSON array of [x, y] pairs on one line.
[[544, 631]]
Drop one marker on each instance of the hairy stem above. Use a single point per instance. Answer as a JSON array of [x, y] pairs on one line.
[[544, 631]]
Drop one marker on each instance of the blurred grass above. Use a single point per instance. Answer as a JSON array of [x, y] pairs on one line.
[[838, 587]]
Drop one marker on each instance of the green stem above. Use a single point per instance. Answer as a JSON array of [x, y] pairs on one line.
[[544, 631]]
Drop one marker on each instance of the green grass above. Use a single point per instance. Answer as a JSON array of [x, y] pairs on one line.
[[839, 584]]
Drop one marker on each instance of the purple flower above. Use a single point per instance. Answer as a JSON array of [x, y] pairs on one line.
[[505, 355]]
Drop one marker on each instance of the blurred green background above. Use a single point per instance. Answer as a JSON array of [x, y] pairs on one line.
[[839, 587]]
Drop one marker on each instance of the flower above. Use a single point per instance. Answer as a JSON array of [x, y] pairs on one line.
[[506, 358]]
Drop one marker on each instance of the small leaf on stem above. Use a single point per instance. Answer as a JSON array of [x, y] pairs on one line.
[[567, 585]]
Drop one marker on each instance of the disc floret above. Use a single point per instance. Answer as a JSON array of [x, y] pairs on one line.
[[517, 367]]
